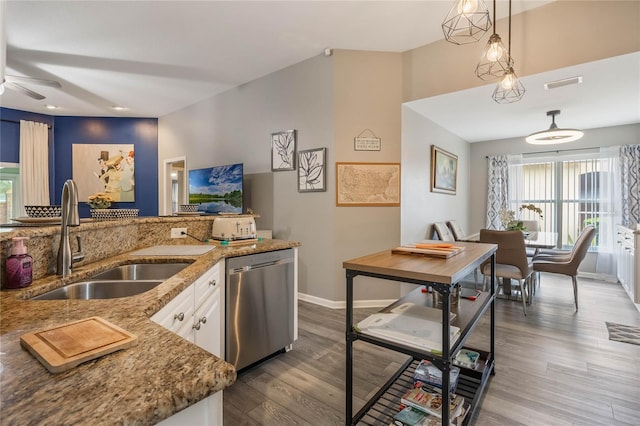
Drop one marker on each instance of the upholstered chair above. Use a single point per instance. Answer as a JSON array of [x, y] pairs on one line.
[[567, 264], [511, 261]]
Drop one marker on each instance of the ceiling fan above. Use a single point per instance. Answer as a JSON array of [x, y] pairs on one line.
[[13, 81]]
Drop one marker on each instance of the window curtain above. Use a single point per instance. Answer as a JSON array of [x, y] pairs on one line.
[[497, 189], [609, 210], [630, 180], [34, 163]]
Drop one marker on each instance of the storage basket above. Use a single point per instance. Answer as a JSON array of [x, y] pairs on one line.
[[113, 214]]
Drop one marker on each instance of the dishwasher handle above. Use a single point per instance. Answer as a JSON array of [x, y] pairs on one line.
[[245, 268]]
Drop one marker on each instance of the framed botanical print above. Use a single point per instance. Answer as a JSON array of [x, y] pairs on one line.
[[444, 171], [312, 170], [283, 151]]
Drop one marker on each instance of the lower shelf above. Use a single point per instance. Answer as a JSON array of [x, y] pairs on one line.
[[470, 385]]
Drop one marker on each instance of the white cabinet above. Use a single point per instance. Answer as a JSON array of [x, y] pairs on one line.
[[628, 262], [207, 331], [197, 315]]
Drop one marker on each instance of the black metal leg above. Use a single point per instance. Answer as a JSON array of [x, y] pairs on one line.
[[446, 307], [349, 344]]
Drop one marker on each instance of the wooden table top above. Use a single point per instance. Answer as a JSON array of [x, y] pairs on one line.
[[424, 268]]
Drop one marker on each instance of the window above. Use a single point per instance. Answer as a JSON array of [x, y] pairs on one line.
[[9, 192], [567, 191]]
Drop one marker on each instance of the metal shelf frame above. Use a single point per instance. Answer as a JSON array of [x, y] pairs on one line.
[[472, 387]]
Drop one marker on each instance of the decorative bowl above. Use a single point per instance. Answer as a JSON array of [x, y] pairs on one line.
[[43, 211], [188, 208], [113, 214]]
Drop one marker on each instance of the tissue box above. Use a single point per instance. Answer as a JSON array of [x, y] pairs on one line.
[[428, 373]]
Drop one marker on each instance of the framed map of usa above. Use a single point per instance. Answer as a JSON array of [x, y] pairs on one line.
[[367, 184]]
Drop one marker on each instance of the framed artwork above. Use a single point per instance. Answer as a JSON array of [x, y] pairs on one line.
[[107, 168], [283, 151], [311, 170], [444, 171], [367, 184]]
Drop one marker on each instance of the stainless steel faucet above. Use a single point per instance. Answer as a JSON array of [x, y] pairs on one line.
[[70, 217]]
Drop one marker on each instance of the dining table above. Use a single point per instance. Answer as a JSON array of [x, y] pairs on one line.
[[536, 239]]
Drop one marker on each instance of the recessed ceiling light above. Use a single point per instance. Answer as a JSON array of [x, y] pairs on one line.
[[50, 107], [118, 107]]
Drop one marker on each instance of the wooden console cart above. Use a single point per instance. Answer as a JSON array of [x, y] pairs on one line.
[[441, 275]]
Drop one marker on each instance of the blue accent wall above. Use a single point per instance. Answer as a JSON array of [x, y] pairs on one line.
[[66, 131], [141, 132]]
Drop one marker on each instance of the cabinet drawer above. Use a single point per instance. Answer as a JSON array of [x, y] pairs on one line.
[[177, 313], [207, 284]]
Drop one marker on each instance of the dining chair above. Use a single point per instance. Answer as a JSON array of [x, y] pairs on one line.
[[511, 260], [531, 226], [459, 235], [442, 231], [567, 264]]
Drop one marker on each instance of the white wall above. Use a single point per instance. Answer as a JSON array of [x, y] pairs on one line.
[[420, 206], [236, 126]]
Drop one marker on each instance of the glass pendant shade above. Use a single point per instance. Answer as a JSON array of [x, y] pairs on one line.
[[466, 22], [554, 135], [509, 89], [495, 59]]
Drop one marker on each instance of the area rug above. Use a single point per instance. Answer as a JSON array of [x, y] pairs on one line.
[[623, 333]]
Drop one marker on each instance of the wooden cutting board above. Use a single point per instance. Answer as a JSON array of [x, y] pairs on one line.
[[432, 251], [63, 347]]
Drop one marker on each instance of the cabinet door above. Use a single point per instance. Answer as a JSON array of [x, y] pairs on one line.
[[207, 284], [176, 315], [208, 325]]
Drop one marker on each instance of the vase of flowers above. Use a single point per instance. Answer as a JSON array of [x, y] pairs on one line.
[[509, 221], [99, 201]]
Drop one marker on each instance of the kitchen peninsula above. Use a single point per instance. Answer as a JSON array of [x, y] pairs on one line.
[[144, 384]]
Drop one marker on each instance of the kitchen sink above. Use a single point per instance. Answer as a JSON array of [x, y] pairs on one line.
[[105, 289], [121, 281], [141, 271]]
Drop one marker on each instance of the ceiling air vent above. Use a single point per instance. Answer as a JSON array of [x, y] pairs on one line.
[[563, 82]]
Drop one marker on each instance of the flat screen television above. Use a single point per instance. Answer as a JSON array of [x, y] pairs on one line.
[[217, 189]]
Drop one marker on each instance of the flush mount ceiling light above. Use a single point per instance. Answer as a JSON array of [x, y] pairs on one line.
[[554, 134], [495, 60], [466, 22]]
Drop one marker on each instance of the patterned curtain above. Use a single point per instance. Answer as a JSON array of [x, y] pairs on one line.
[[497, 189], [630, 179]]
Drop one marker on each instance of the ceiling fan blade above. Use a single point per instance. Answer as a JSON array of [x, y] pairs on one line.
[[24, 91], [31, 80]]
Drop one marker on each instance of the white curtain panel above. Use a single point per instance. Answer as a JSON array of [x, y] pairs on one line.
[[630, 179], [609, 211], [497, 189], [34, 163]]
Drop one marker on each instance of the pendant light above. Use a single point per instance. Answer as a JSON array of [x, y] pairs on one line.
[[495, 59], [466, 22], [509, 88], [554, 134]]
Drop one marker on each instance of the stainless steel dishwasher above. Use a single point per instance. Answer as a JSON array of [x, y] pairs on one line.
[[259, 306]]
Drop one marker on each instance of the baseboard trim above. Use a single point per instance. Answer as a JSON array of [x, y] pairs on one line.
[[599, 277], [341, 304]]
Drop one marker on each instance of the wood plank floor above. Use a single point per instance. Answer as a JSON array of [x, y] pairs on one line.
[[555, 366]]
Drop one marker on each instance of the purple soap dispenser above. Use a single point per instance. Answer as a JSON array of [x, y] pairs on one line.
[[18, 270]]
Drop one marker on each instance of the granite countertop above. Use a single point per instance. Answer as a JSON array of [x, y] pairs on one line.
[[140, 385]]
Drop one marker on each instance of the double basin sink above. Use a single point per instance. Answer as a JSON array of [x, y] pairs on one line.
[[121, 281]]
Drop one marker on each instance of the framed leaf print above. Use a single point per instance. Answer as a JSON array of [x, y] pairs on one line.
[[311, 170], [283, 151]]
